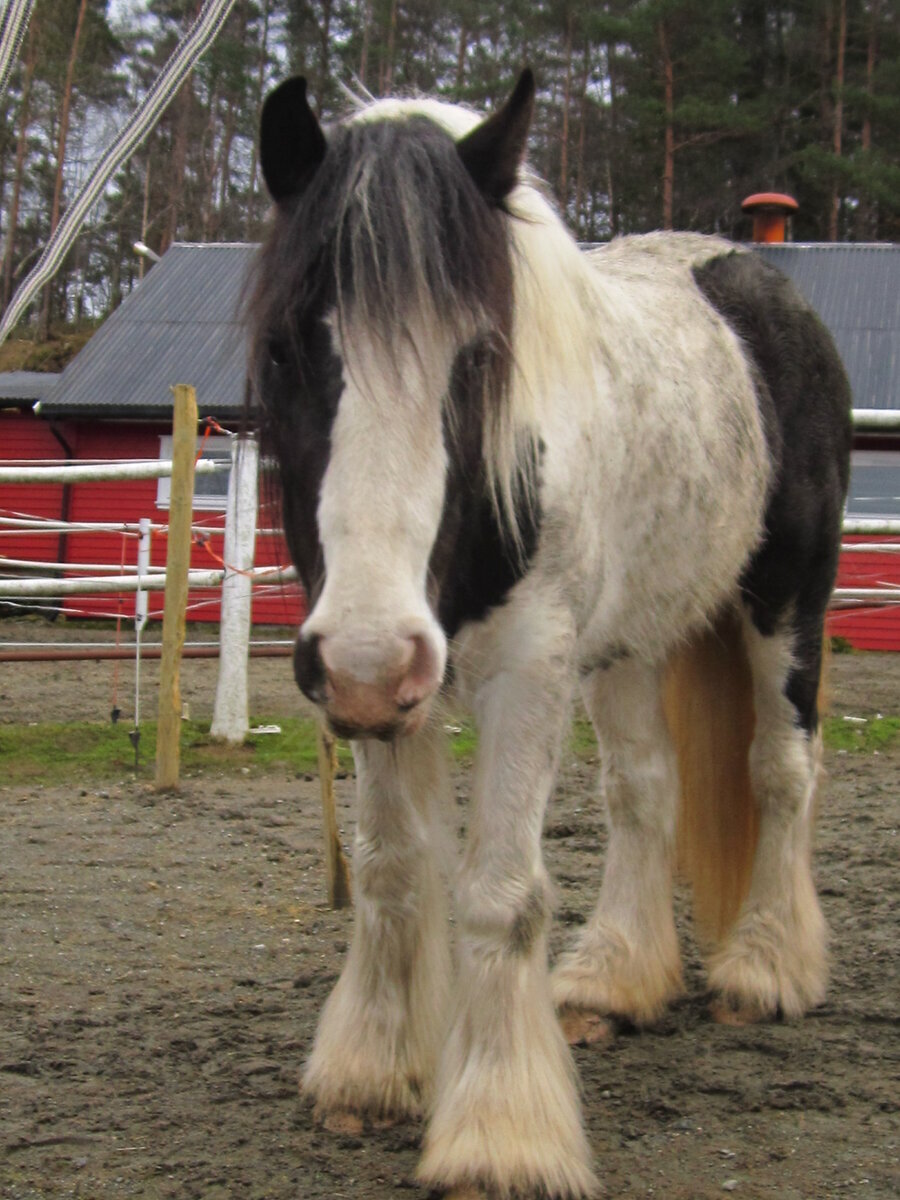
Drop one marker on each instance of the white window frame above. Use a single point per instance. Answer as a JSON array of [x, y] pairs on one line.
[[215, 447]]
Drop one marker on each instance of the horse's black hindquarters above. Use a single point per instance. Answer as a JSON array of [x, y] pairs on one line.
[[804, 399]]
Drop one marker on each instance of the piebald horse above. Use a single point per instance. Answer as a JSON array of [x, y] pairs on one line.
[[517, 469]]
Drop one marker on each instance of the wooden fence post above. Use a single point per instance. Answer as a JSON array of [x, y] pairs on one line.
[[178, 559], [336, 868]]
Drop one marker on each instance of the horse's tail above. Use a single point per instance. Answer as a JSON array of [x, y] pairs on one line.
[[708, 700]]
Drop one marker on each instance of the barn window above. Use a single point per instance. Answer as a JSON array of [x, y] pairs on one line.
[[210, 491], [874, 484]]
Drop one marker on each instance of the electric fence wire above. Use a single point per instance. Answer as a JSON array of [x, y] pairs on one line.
[[193, 45]]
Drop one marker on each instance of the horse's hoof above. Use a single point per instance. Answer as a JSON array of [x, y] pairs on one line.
[[352, 1123], [342, 1120], [724, 1012], [581, 1027]]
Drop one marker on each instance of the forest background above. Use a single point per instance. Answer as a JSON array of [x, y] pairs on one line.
[[651, 114]]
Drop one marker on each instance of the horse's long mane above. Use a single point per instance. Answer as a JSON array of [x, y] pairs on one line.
[[393, 233]]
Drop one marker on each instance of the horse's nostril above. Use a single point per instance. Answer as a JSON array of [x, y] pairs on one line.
[[422, 674], [309, 670]]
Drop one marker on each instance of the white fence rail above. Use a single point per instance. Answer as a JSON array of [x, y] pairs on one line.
[[98, 473], [42, 579], [242, 522], [156, 582]]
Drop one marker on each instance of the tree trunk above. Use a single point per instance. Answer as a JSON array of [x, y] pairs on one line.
[[225, 168], [260, 88], [65, 109], [224, 165], [462, 48], [179, 162], [387, 75], [864, 214], [838, 122], [826, 110], [210, 160], [613, 140], [364, 51], [21, 147], [324, 47], [567, 95], [582, 125], [145, 212], [668, 177]]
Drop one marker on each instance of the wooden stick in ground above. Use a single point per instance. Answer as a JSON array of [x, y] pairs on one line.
[[178, 559], [337, 870]]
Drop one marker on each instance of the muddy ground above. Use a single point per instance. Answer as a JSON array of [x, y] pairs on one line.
[[163, 960]]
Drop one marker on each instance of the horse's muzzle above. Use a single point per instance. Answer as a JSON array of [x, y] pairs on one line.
[[370, 687]]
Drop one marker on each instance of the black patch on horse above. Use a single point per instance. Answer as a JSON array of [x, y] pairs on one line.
[[476, 557], [302, 383], [805, 401]]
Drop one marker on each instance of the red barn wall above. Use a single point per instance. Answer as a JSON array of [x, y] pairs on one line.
[[868, 628], [25, 437], [127, 501]]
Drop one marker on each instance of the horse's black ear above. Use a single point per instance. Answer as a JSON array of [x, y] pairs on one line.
[[291, 142], [493, 150]]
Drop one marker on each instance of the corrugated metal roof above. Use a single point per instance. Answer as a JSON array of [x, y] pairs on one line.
[[26, 386], [856, 291], [182, 324]]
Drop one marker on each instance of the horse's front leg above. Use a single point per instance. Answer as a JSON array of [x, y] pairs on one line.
[[381, 1030], [506, 1118]]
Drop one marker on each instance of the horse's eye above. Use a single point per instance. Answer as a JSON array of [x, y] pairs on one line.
[[278, 352]]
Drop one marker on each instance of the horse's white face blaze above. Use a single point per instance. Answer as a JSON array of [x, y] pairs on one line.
[[380, 646]]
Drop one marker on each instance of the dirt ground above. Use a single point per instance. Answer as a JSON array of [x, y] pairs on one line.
[[163, 960]]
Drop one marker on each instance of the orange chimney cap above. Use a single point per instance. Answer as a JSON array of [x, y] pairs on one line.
[[769, 200]]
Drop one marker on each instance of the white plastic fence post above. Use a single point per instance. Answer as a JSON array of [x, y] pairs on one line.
[[231, 712], [141, 611]]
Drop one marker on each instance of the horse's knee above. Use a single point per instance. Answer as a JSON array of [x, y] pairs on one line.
[[505, 918]]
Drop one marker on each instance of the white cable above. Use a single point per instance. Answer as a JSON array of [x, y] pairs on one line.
[[13, 25], [195, 42]]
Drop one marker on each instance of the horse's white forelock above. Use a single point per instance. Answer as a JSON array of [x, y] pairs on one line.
[[556, 309]]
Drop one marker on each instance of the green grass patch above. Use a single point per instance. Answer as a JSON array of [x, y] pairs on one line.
[[82, 752], [858, 737]]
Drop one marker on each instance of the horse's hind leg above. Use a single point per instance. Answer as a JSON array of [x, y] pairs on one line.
[[380, 1033], [774, 958], [626, 960]]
